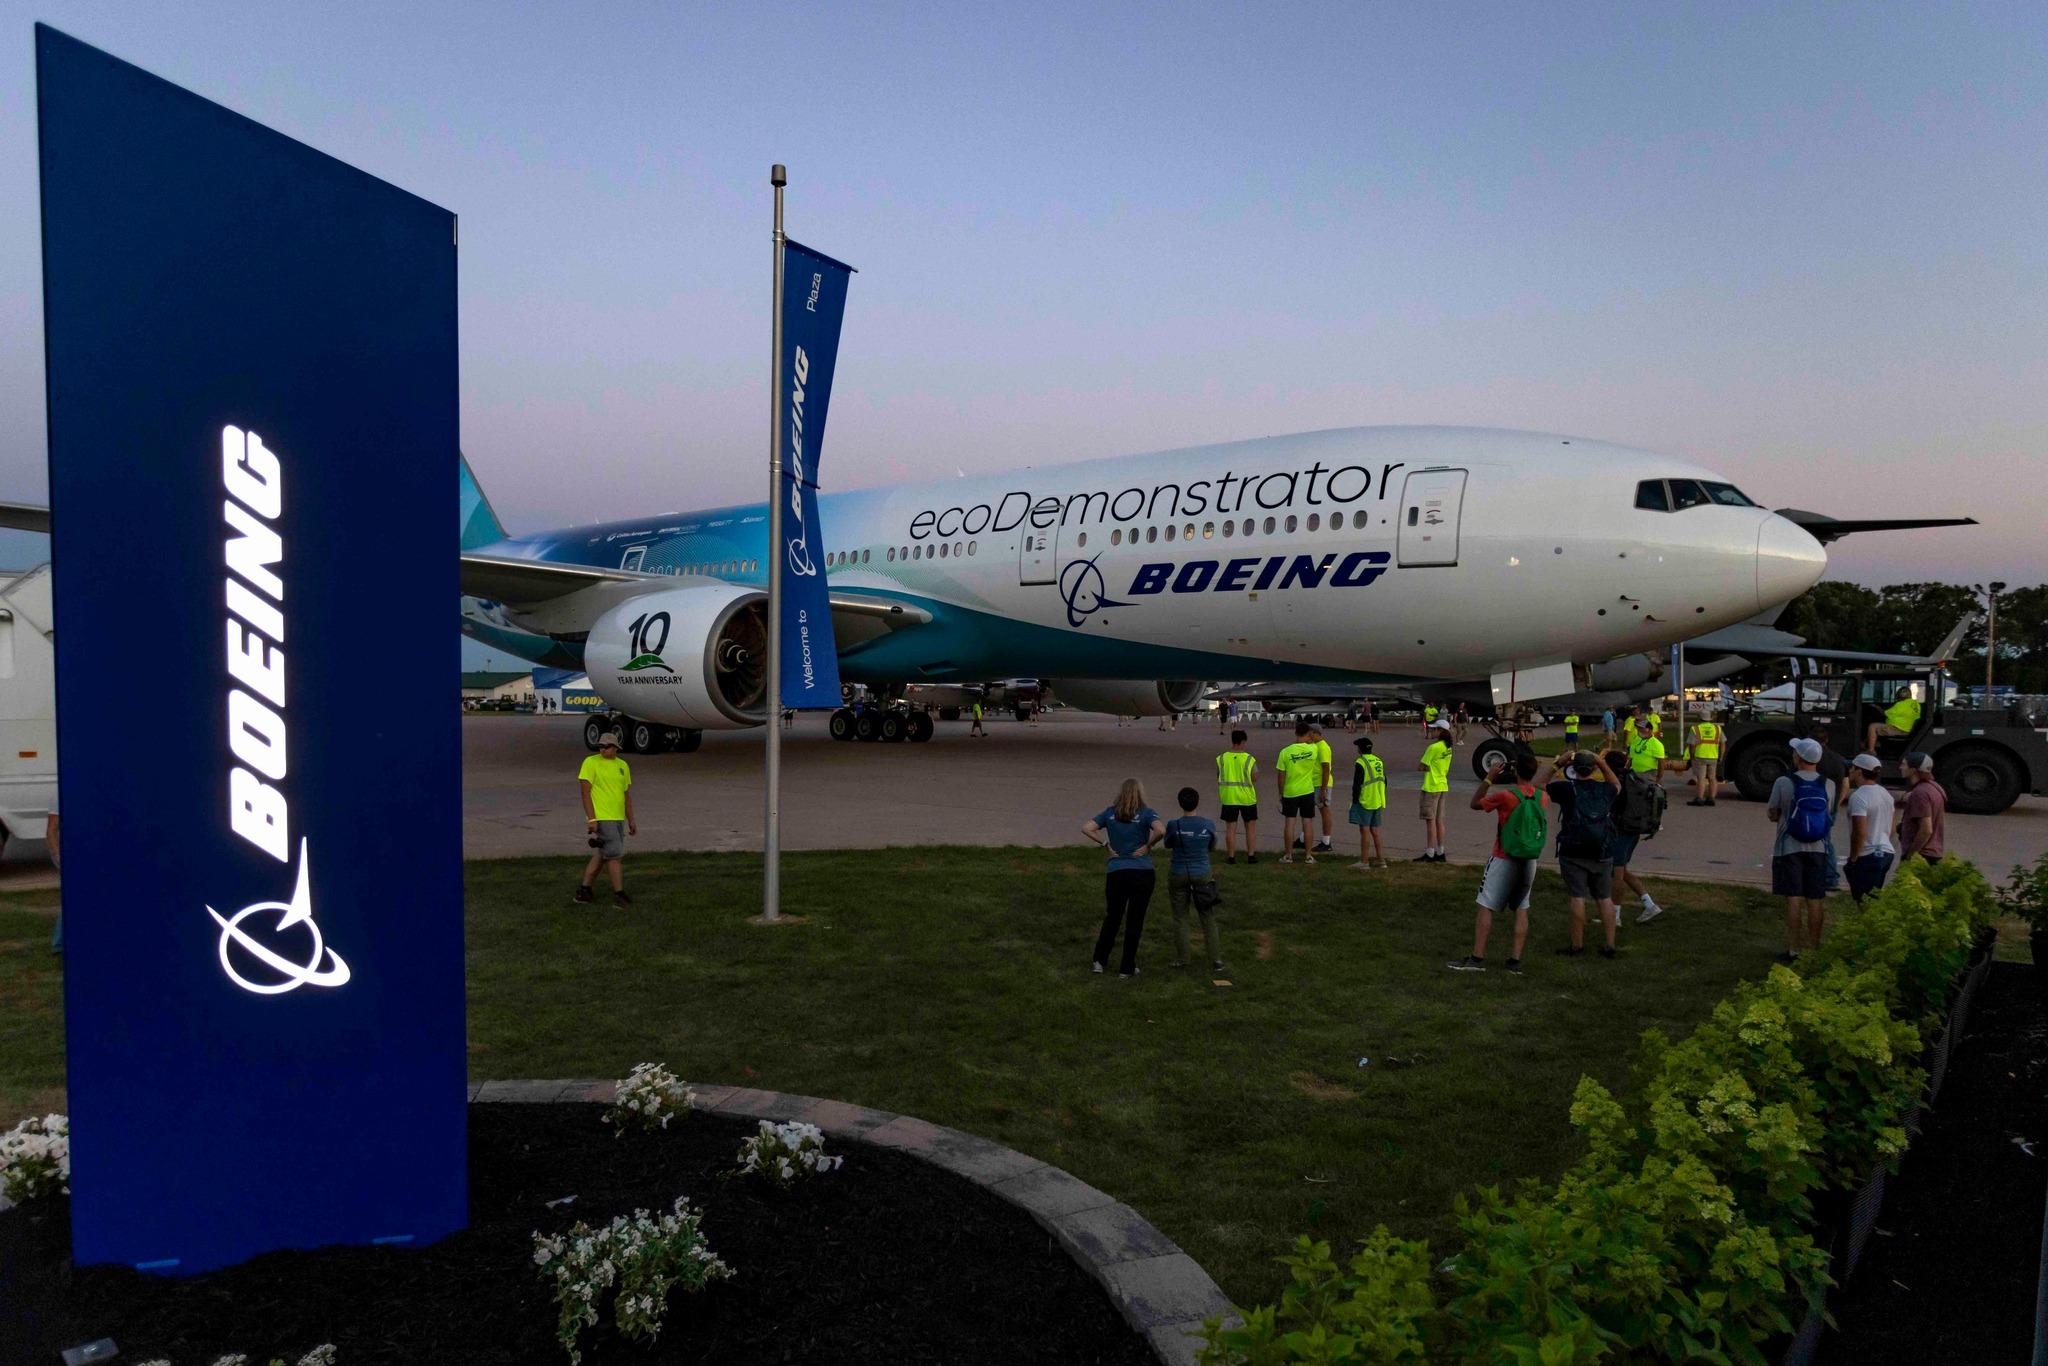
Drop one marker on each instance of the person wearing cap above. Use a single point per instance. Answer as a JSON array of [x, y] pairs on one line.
[[1585, 837], [1326, 783], [1706, 760], [1435, 764], [1237, 793], [1802, 806], [1621, 849], [1299, 773], [1511, 870], [607, 785], [1368, 803], [1923, 817], [1870, 828], [1900, 718]]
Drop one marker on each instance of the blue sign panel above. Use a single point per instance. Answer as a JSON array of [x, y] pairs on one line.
[[813, 303], [252, 406]]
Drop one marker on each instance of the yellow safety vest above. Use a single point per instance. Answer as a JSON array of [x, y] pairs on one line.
[[1372, 794], [1706, 741], [1234, 779], [1628, 730], [1429, 713]]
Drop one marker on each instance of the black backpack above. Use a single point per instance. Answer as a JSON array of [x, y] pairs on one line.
[[1589, 823], [1641, 810]]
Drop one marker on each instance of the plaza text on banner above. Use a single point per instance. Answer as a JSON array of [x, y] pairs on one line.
[[813, 302]]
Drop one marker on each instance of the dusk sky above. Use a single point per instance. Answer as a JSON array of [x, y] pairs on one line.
[[1801, 244]]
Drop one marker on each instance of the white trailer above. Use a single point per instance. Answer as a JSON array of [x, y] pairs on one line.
[[28, 706]]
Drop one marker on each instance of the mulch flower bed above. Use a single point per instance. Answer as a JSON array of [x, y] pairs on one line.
[[1954, 1273], [886, 1260]]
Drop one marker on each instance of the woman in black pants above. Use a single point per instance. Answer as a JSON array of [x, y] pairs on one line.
[[1128, 830]]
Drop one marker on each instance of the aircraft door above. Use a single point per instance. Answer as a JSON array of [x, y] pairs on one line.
[[1431, 503], [1037, 554]]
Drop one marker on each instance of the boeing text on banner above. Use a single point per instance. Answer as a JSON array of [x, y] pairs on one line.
[[814, 304], [263, 949]]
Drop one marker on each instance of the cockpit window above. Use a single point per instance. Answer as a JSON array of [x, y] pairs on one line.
[[1727, 495], [1650, 496], [1686, 493]]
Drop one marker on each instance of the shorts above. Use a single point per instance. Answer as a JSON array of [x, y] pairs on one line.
[[613, 837], [1800, 875], [1506, 883], [1304, 805], [1868, 873], [1621, 848], [1433, 805], [1571, 737], [1247, 814], [1587, 878], [1370, 820]]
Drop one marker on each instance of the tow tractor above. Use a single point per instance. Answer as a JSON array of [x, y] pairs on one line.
[[1985, 757]]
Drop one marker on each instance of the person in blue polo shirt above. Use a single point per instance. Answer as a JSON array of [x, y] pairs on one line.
[[1128, 829], [1189, 879]]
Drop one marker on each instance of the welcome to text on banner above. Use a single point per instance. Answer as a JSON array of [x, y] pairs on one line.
[[813, 303]]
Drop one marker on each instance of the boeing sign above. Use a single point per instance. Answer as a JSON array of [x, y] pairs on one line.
[[252, 364]]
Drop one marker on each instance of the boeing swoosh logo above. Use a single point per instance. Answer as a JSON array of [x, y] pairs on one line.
[[1082, 586], [255, 947]]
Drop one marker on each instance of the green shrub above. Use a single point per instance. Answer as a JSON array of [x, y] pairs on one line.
[[1685, 1233], [2025, 895], [1372, 1310]]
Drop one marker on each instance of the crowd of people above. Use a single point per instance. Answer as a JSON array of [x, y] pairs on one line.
[[1608, 796]]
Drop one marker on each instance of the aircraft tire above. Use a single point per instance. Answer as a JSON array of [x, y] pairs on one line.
[[1023, 713], [895, 727], [687, 741], [921, 727], [593, 727], [643, 737], [949, 713], [867, 726], [841, 724], [1490, 752], [1982, 780], [1756, 767]]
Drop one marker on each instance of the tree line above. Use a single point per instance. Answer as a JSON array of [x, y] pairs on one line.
[[1913, 618]]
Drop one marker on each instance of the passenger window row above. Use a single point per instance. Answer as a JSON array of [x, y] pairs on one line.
[[1676, 495], [720, 568]]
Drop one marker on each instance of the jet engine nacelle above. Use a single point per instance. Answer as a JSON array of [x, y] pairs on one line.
[[1129, 696], [691, 657], [1629, 671]]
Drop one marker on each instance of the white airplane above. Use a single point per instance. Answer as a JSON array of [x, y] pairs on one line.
[[1392, 555]]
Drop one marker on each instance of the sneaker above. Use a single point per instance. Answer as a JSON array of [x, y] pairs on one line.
[[1127, 976], [1423, 858], [1300, 843], [1651, 910], [1095, 967], [1233, 858], [1177, 963], [1323, 846], [1361, 866], [1285, 858], [1788, 958], [1569, 952], [1217, 966], [1381, 863], [1440, 858], [1515, 966], [1308, 858], [1467, 964], [1608, 950], [583, 895], [1695, 802], [621, 900], [1251, 858]]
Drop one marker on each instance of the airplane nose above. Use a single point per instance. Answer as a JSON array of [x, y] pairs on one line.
[[1788, 561]]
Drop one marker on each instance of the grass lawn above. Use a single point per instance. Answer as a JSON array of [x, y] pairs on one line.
[[952, 984]]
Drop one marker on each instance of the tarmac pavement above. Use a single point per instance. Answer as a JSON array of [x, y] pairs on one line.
[[1034, 784]]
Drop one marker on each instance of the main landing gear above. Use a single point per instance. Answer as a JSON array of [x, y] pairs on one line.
[[640, 737], [881, 723]]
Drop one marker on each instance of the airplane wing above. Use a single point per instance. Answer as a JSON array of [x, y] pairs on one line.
[[25, 517], [1824, 528], [856, 617]]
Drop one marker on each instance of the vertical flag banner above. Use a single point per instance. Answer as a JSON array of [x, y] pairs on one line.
[[813, 303], [253, 483]]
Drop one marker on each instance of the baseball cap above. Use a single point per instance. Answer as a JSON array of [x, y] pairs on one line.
[[1806, 749], [610, 739], [1921, 761], [1442, 724], [1867, 762], [1363, 742], [1583, 764]]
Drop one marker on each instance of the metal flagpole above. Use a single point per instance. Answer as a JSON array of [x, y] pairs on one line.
[[771, 837]]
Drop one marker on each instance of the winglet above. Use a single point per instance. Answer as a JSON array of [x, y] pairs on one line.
[[480, 524]]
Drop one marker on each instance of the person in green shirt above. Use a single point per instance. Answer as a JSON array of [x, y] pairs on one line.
[[1436, 785], [607, 787], [977, 728], [1900, 718], [1298, 771], [1646, 755], [1368, 803], [1326, 783], [1237, 792]]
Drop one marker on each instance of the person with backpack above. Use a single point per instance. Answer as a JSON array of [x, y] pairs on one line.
[[1585, 834], [1190, 879], [1802, 806], [1638, 815], [1511, 872]]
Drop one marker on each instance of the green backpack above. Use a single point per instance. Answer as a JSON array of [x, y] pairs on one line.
[[1521, 836]]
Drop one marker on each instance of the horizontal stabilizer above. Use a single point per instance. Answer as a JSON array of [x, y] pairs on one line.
[[25, 517]]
